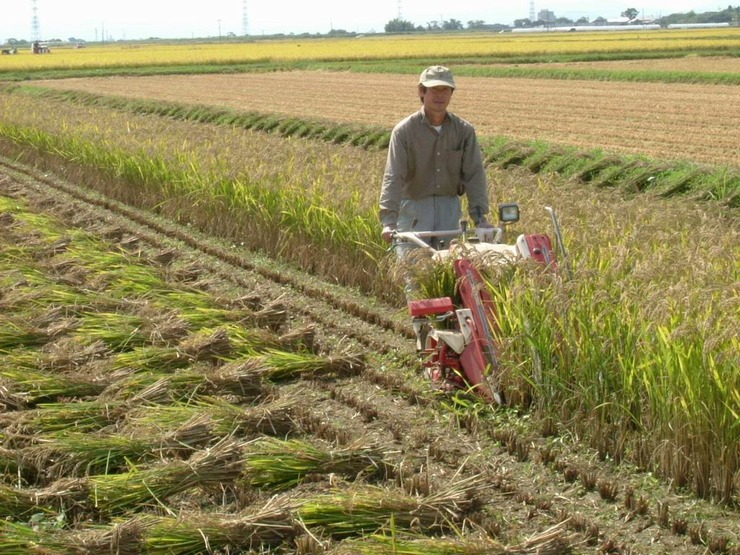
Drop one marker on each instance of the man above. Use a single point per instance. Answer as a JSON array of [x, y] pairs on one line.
[[433, 159]]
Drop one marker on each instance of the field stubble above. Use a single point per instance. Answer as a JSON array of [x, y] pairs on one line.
[[697, 64], [553, 493]]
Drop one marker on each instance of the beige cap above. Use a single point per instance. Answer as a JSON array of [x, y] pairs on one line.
[[437, 76]]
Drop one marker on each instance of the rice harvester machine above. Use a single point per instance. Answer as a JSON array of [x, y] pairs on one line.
[[456, 339]]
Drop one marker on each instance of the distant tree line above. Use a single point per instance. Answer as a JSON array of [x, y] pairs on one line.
[[24, 42], [728, 15]]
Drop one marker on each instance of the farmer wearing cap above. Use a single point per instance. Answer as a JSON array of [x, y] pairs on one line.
[[433, 159]]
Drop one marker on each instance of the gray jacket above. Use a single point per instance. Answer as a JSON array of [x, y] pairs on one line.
[[423, 163]]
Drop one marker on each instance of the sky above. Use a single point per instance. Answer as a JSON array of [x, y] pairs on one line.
[[94, 20]]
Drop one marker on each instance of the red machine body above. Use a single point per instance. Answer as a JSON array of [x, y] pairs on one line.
[[460, 352]]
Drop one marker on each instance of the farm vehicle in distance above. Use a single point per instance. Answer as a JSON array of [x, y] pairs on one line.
[[40, 48]]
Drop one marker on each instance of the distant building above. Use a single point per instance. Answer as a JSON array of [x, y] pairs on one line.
[[546, 15]]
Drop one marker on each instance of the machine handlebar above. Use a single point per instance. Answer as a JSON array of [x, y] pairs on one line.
[[488, 234]]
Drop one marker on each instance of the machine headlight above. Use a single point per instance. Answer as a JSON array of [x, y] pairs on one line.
[[508, 212]]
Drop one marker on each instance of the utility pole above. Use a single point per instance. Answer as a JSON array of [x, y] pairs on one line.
[[35, 27], [245, 20]]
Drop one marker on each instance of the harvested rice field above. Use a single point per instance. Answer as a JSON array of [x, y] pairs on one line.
[[694, 122], [205, 346], [163, 394], [693, 64]]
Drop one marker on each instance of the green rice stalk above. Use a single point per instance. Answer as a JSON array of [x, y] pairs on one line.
[[150, 358], [35, 293], [276, 464], [178, 387], [118, 493], [189, 534], [80, 454], [53, 418], [281, 365], [193, 534], [121, 332], [206, 345], [241, 377], [23, 539], [271, 316], [15, 334], [8, 461], [274, 417], [186, 385], [161, 419], [35, 387], [16, 503], [170, 358], [247, 341]]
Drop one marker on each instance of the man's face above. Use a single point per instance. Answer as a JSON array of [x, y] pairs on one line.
[[436, 99]]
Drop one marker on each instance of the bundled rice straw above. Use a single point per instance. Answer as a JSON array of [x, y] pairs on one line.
[[52, 418], [16, 503], [280, 365], [117, 493], [555, 541], [367, 509], [277, 464], [274, 417]]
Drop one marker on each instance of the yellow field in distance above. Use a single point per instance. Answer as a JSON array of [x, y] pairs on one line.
[[373, 47]]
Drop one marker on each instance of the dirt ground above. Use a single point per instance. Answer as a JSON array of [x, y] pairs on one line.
[[699, 123], [697, 64]]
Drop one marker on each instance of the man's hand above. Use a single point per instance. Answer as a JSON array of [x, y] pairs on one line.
[[484, 231], [387, 233]]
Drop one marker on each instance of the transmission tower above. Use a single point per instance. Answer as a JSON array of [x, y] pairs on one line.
[[531, 10], [245, 19], [35, 28], [400, 10]]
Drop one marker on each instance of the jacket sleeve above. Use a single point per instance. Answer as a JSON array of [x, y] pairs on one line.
[[393, 180], [474, 178]]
